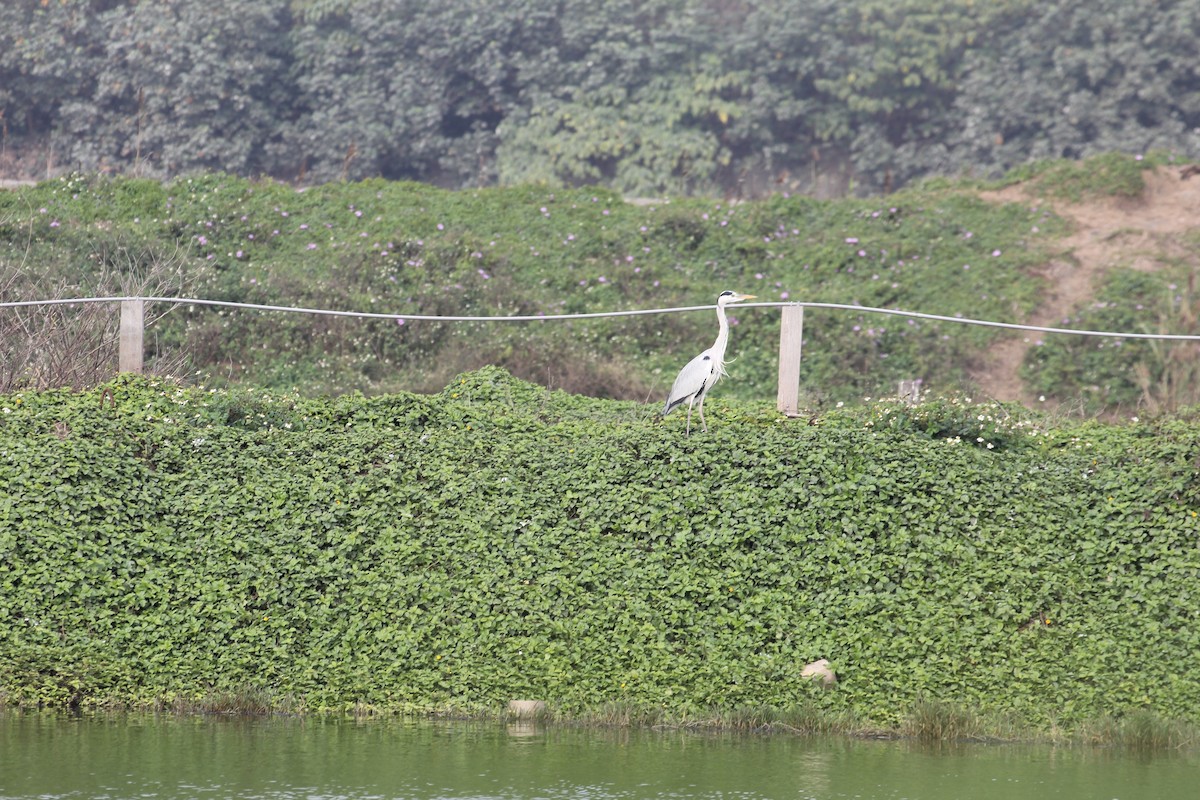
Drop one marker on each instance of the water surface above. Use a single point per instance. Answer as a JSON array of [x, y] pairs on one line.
[[52, 756]]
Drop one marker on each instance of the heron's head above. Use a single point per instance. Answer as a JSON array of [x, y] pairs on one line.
[[726, 297]]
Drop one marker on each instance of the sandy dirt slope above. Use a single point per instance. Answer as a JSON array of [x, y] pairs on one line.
[[1139, 233]]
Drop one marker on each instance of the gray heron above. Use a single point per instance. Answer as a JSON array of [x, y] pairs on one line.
[[704, 370]]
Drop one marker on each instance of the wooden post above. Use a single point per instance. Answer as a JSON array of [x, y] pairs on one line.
[[133, 324], [910, 392], [791, 336]]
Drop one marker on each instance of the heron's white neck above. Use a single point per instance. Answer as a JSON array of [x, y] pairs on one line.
[[718, 348]]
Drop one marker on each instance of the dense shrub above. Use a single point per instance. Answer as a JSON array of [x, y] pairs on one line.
[[500, 540], [646, 96]]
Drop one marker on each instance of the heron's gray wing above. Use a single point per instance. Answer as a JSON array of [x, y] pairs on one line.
[[691, 380]]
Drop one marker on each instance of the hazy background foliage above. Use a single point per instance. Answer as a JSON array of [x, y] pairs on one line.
[[645, 96]]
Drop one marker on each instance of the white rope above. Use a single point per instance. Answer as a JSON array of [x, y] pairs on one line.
[[600, 314]]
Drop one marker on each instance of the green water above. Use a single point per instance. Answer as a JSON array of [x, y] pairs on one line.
[[44, 756]]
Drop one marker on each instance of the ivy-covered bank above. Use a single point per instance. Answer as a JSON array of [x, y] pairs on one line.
[[416, 553]]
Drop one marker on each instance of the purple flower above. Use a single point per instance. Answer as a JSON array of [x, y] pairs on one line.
[[441, 227], [312, 246], [851, 240], [399, 320], [203, 241]]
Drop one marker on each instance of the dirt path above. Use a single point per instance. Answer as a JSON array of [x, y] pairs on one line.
[[1140, 233]]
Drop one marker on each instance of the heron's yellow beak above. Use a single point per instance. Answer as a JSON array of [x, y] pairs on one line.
[[747, 297]]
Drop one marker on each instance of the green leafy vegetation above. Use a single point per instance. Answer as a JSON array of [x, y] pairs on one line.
[[404, 248], [644, 96], [1110, 175], [1106, 372], [412, 553]]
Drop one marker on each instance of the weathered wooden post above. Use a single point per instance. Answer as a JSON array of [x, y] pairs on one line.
[[791, 336], [133, 325]]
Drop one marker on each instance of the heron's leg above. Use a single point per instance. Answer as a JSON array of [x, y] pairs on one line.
[[703, 424], [688, 432]]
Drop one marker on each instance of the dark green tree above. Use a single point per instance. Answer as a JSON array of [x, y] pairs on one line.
[[408, 89], [50, 51], [639, 98], [186, 86], [1068, 80]]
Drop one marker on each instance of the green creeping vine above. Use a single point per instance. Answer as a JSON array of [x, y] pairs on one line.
[[451, 552]]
